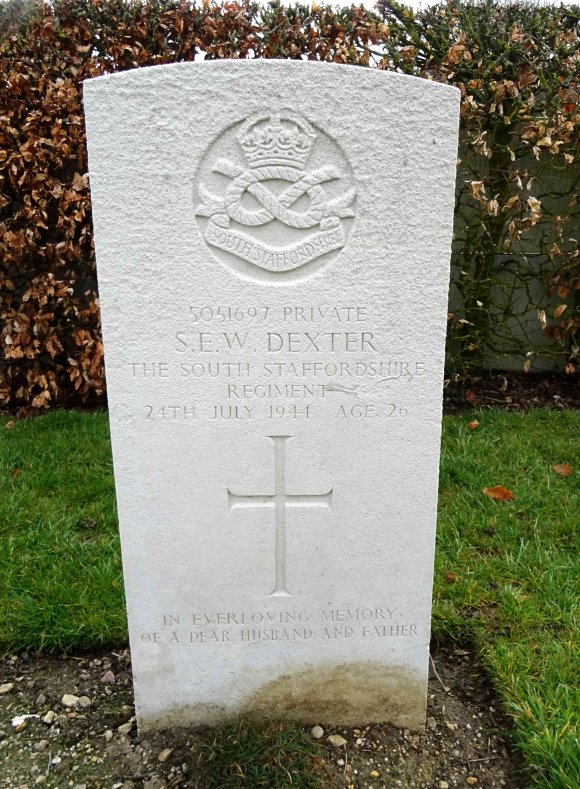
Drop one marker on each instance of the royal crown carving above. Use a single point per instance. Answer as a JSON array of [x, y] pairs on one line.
[[282, 139]]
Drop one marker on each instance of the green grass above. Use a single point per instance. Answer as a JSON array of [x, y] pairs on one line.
[[244, 755], [506, 577], [60, 572], [515, 580]]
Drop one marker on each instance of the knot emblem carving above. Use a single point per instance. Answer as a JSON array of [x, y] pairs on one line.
[[296, 214]]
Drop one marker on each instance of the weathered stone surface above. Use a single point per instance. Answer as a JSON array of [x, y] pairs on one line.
[[273, 250]]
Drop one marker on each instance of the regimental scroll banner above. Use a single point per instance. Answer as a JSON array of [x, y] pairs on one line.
[[274, 214], [260, 254]]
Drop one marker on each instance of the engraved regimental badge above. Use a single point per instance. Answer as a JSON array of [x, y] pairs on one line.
[[274, 194]]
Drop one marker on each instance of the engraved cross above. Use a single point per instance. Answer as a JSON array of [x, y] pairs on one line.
[[279, 501]]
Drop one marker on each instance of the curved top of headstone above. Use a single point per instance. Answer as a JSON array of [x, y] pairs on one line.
[[177, 70], [281, 172]]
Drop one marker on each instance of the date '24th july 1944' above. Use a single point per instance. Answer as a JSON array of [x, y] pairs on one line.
[[186, 413]]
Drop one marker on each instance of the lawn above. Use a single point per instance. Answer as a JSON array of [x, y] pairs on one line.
[[506, 579]]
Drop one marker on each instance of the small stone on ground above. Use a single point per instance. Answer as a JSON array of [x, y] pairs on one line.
[[70, 700]]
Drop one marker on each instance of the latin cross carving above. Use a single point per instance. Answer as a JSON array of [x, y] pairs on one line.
[[279, 501]]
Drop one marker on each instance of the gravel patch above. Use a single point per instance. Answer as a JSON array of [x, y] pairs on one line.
[[69, 722]]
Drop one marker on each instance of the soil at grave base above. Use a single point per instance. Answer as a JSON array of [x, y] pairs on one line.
[[513, 391], [464, 743]]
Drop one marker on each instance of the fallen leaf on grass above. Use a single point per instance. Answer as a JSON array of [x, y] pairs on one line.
[[563, 469], [473, 425], [9, 425], [451, 578], [15, 472], [499, 493]]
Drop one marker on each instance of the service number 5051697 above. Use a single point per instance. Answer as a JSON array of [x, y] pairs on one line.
[[228, 314]]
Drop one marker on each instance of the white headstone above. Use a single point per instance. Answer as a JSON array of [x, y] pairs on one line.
[[273, 247]]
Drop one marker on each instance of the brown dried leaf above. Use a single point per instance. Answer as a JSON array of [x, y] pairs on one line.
[[499, 493], [542, 318], [78, 184], [473, 425], [560, 309], [563, 469]]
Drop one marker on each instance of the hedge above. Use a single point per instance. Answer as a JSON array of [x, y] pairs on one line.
[[516, 255]]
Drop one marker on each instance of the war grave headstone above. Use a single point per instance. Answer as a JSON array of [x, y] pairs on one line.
[[273, 243]]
